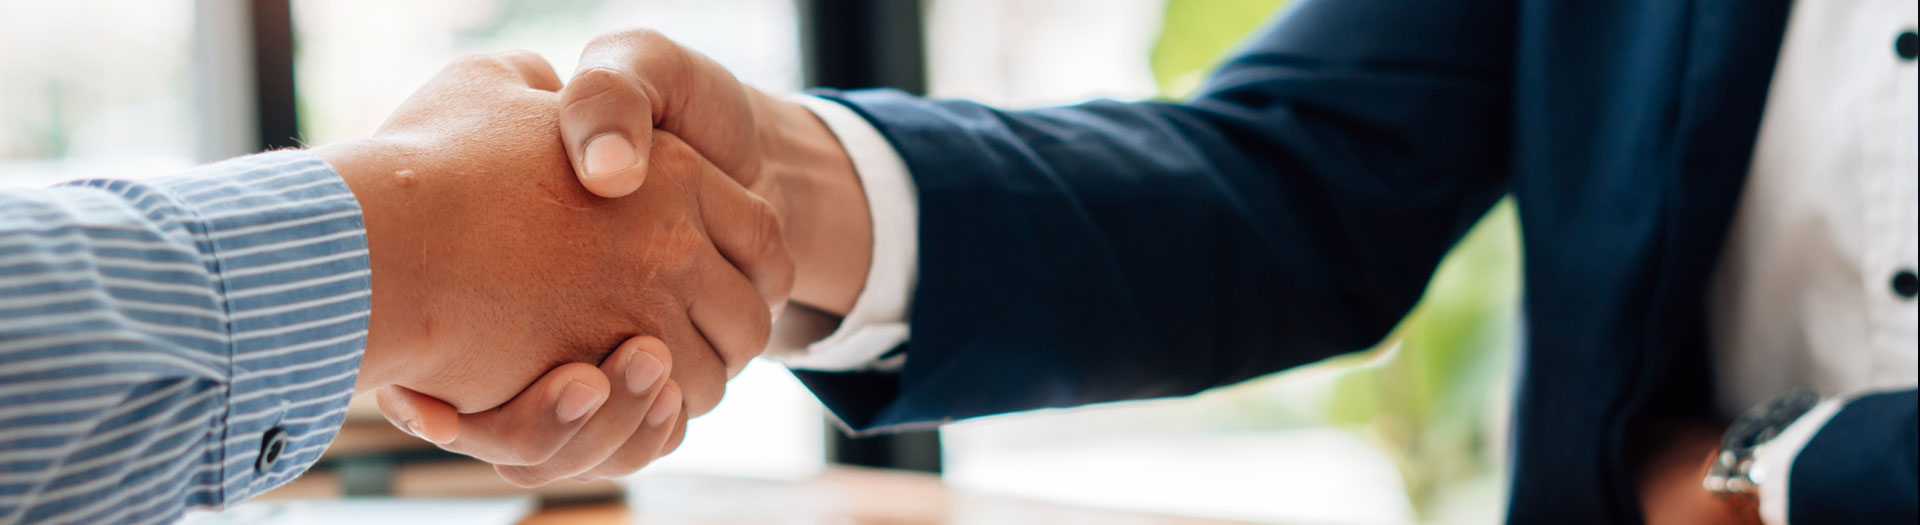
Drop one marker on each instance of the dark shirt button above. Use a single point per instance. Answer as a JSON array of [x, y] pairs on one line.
[[1906, 284], [271, 445], [1907, 45]]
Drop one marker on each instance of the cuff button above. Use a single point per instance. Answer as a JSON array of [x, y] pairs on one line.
[[1906, 284], [271, 445]]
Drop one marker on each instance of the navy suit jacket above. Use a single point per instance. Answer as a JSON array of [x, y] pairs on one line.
[[1297, 207]]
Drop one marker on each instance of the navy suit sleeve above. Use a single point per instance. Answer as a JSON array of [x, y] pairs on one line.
[[1104, 251], [1861, 467]]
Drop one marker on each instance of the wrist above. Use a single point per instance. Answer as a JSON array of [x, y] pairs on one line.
[[821, 203], [1670, 477], [378, 173]]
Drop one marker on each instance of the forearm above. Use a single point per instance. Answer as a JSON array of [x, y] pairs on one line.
[[155, 334], [823, 208]]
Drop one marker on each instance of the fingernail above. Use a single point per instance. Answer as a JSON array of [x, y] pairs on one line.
[[576, 400], [642, 371], [419, 431], [663, 407], [607, 154]]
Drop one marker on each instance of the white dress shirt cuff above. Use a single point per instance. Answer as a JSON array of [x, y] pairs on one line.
[[1773, 462], [877, 324]]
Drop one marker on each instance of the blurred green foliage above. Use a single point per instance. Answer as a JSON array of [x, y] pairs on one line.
[[1195, 36], [1433, 395]]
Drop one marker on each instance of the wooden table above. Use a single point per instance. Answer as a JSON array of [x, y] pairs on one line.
[[839, 495]]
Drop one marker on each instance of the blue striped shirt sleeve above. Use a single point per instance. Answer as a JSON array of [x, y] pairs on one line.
[[155, 336]]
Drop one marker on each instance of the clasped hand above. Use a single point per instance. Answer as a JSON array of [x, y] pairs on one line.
[[498, 278]]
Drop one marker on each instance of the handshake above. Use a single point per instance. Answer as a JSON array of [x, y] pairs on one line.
[[563, 274]]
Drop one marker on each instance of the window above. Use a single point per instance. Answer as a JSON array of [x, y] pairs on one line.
[[1017, 53], [358, 59], [96, 88]]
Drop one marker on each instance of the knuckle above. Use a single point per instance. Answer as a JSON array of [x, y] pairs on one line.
[[519, 56], [598, 85], [643, 47], [517, 59], [475, 60], [673, 439], [530, 64], [629, 37], [761, 326], [669, 447], [758, 331], [769, 234], [480, 64], [706, 394], [682, 241]]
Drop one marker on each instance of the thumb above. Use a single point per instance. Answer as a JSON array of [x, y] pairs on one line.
[[631, 82], [419, 414], [606, 123]]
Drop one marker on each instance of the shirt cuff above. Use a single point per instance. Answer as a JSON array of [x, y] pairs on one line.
[[1773, 462], [285, 240], [877, 324]]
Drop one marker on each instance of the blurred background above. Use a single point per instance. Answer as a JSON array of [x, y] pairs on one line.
[[1410, 431]]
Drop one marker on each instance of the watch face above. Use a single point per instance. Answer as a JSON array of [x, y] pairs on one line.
[[1766, 421]]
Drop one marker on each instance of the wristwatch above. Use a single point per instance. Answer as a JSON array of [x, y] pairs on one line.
[[1731, 475]]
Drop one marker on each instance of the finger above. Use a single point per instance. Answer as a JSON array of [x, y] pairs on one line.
[[665, 421], [531, 68], [698, 370], [673, 440], [534, 424], [742, 225], [630, 82], [730, 315], [424, 416], [639, 366]]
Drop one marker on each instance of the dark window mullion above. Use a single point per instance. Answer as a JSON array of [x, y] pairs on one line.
[[853, 44]]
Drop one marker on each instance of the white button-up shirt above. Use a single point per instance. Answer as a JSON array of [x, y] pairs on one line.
[[1805, 295]]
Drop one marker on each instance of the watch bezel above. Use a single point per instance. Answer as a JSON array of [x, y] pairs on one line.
[[1731, 472]]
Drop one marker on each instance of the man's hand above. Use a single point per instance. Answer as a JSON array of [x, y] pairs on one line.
[[630, 83], [491, 267]]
